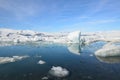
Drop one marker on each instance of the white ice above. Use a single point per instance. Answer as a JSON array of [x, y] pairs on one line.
[[4, 60], [17, 36], [107, 36], [59, 71], [45, 78], [41, 62], [74, 37], [108, 50]]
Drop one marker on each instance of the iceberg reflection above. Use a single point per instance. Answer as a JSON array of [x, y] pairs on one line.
[[109, 59], [74, 48]]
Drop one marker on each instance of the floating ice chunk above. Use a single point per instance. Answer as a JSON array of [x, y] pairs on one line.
[[74, 37], [108, 50], [19, 57], [4, 60], [59, 71], [45, 78], [41, 62]]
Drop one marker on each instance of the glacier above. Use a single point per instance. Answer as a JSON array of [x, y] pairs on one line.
[[18, 36]]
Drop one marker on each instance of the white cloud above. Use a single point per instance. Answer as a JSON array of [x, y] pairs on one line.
[[59, 71]]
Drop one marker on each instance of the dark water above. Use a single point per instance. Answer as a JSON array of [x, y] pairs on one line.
[[81, 62]]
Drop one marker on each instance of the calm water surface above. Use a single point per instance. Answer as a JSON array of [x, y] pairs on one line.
[[81, 62]]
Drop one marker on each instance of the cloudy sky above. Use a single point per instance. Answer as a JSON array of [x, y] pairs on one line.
[[60, 15]]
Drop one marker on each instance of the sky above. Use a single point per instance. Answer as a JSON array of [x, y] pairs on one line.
[[60, 15]]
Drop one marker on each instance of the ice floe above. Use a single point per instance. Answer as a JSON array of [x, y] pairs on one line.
[[4, 60], [41, 62], [108, 50], [59, 71], [45, 78]]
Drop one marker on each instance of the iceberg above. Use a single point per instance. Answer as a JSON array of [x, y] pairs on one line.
[[74, 37], [108, 50]]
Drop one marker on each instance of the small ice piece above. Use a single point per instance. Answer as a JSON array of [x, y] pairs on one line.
[[19, 57], [45, 78], [59, 71], [91, 55], [41, 62]]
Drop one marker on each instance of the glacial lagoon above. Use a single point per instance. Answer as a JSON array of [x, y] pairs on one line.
[[33, 61]]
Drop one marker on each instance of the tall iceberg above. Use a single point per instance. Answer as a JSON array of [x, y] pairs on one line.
[[74, 37]]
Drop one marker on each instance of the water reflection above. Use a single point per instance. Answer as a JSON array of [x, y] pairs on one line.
[[74, 48], [109, 59]]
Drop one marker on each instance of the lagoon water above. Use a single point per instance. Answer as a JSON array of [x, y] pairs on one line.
[[79, 61]]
